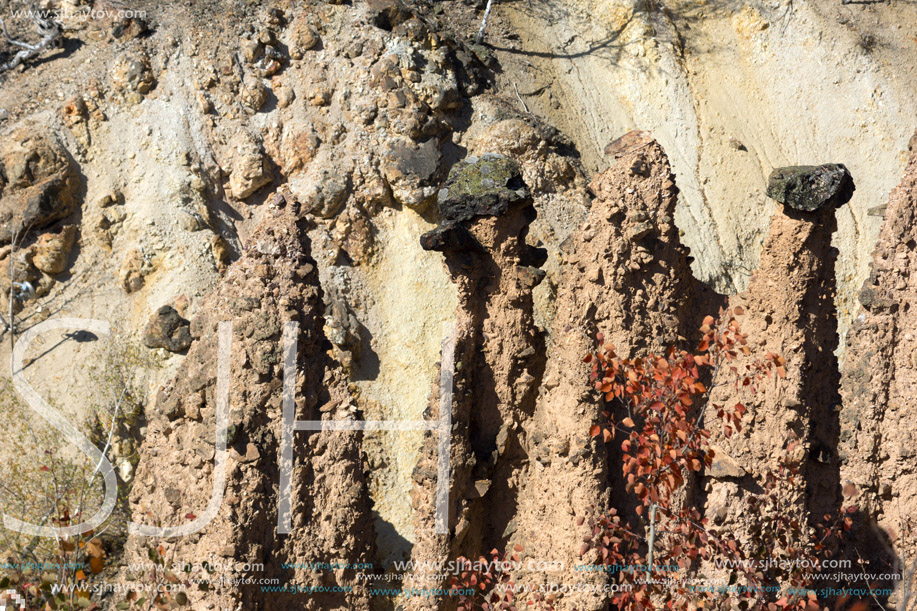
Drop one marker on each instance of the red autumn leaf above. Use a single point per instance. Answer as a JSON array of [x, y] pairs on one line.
[[594, 430]]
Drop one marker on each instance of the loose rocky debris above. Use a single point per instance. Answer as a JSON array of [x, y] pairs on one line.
[[132, 77], [51, 252]]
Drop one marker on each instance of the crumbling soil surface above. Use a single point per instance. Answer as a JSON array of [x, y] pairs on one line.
[[366, 180]]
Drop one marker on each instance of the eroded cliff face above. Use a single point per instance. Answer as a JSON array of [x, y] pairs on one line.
[[729, 89], [365, 172], [625, 274], [197, 451], [876, 448], [789, 310]]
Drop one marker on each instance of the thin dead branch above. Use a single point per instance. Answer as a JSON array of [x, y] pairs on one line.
[[480, 37], [50, 32]]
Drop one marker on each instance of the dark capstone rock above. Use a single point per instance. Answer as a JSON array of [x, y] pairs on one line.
[[167, 329], [810, 187], [451, 237], [482, 186]]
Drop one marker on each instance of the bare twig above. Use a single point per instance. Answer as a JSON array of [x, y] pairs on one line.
[[521, 101], [480, 37], [11, 322], [871, 591], [652, 539], [48, 29], [907, 571], [111, 432]]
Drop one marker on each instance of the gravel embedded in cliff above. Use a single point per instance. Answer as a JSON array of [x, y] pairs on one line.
[[810, 187]]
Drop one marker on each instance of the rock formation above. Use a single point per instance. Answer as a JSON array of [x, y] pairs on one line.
[[789, 310], [486, 210], [363, 171], [272, 284], [876, 443], [626, 275]]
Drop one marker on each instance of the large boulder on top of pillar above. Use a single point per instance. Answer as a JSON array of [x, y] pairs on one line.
[[811, 187]]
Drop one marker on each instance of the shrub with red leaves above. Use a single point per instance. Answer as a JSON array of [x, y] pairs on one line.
[[656, 406]]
